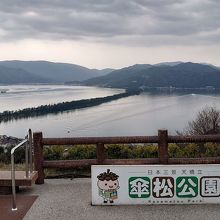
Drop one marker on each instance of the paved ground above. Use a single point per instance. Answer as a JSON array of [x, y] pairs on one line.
[[66, 199], [23, 204]]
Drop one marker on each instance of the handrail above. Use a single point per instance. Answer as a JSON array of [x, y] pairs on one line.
[[17, 146], [104, 140], [162, 140], [28, 167], [130, 139]]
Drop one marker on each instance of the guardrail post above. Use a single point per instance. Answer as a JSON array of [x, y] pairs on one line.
[[100, 153], [38, 156], [26, 159], [163, 146]]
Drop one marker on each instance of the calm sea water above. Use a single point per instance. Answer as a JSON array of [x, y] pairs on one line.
[[136, 115], [24, 96]]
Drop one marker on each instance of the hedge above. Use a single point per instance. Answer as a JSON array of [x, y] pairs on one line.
[[117, 151]]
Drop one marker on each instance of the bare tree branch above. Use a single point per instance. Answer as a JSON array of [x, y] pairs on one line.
[[206, 122]]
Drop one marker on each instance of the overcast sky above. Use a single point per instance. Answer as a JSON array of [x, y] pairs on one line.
[[110, 33]]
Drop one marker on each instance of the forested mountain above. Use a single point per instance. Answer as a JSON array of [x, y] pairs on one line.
[[182, 75], [119, 78], [55, 72], [15, 76], [175, 74]]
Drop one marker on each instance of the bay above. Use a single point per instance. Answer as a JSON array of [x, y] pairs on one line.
[[136, 115], [25, 96]]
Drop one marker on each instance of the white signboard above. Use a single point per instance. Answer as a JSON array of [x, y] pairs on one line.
[[155, 184]]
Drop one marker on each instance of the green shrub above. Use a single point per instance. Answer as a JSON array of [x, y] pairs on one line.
[[53, 153], [3, 158], [1, 150], [175, 150], [212, 150], [116, 151], [19, 154], [75, 152], [131, 151], [192, 150], [127, 152], [113, 151], [123, 151], [150, 151], [78, 152]]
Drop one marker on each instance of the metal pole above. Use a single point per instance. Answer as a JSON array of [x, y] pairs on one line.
[[26, 159], [30, 151], [14, 208]]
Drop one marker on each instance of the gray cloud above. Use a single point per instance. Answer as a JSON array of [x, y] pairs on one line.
[[144, 22]]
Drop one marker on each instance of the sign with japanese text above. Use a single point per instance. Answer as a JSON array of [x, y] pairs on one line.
[[155, 184]]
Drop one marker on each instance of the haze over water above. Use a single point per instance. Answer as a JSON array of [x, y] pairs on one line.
[[135, 115]]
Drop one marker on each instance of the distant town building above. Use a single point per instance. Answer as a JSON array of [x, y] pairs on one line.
[[170, 88], [210, 88]]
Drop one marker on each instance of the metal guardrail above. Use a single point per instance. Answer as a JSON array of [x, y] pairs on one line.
[[28, 164]]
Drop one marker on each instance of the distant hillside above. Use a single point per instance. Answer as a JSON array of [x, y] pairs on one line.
[[175, 74], [16, 76], [55, 72], [119, 78], [182, 75]]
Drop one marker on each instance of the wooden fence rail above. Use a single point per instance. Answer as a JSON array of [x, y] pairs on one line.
[[162, 140]]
